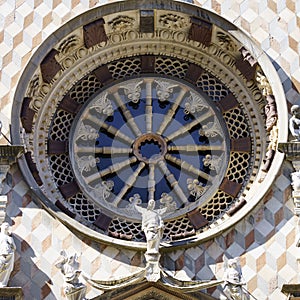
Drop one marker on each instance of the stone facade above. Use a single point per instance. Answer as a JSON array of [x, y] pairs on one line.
[[265, 240]]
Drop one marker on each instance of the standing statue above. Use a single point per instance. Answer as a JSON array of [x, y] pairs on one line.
[[7, 253], [152, 225], [233, 279], [69, 266], [294, 124]]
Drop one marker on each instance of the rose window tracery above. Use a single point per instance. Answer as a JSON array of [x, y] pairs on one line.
[[151, 138]]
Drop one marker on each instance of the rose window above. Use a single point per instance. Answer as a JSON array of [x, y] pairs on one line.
[[149, 138], [124, 105]]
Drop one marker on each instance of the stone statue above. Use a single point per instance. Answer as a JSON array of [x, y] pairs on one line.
[[152, 225], [69, 266], [296, 181], [233, 280], [7, 253], [294, 124]]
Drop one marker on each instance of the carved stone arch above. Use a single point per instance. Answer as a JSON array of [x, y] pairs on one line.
[[151, 291]]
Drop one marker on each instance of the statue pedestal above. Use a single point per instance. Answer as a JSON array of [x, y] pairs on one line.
[[152, 266], [8, 293], [76, 294]]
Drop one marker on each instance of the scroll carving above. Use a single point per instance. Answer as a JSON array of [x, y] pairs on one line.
[[167, 202], [86, 163], [213, 162], [103, 190]]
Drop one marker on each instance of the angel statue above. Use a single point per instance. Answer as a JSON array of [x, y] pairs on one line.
[[233, 280], [7, 250], [294, 123], [69, 266], [153, 226]]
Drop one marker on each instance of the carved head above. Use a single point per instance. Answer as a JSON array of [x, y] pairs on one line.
[[232, 263], [151, 204], [4, 227], [295, 110]]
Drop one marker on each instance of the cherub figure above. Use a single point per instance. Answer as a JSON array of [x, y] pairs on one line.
[[294, 124], [69, 267], [233, 280]]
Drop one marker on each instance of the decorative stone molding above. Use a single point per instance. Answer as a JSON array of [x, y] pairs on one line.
[[8, 293], [291, 290]]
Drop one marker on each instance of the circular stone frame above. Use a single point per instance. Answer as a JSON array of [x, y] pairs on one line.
[[201, 42]]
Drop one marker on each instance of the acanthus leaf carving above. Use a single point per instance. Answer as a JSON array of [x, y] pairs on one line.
[[226, 42], [263, 84], [164, 90], [194, 104], [87, 132], [121, 23], [133, 90], [103, 105], [86, 163], [211, 129], [70, 44], [173, 22]]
